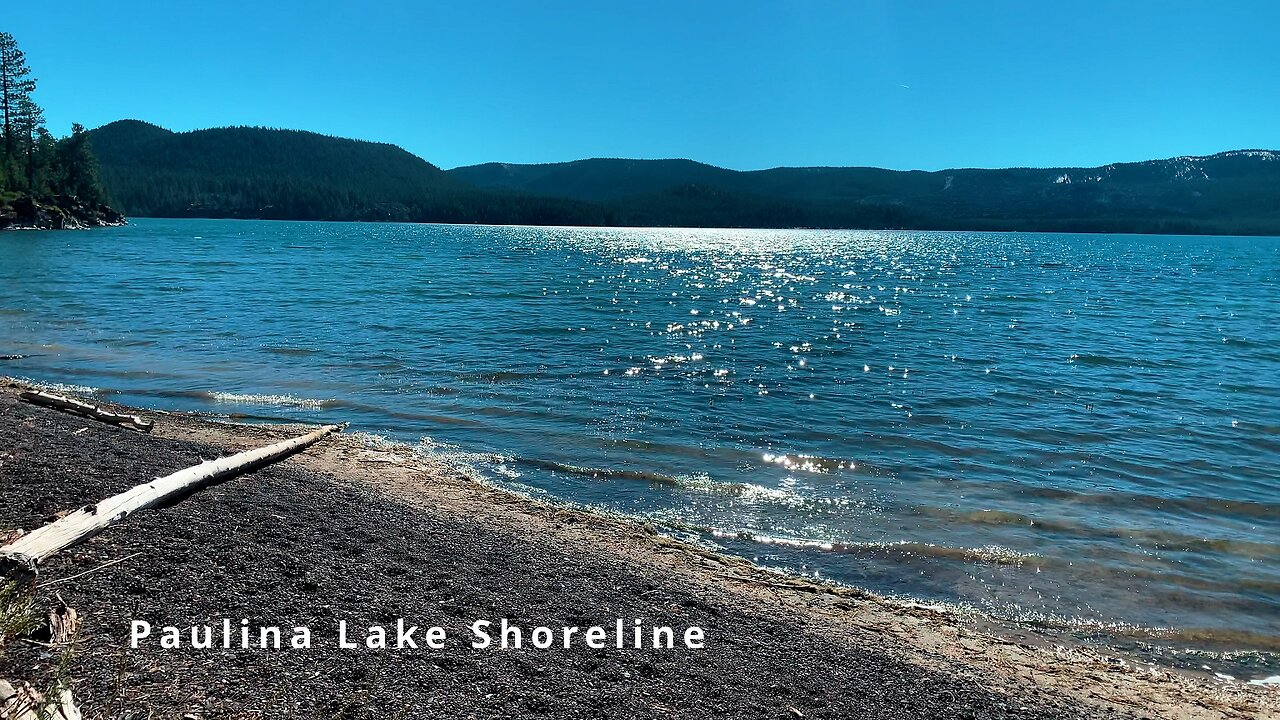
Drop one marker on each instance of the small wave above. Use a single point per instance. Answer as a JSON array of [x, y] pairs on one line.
[[1191, 638], [1169, 540], [291, 351], [1120, 361], [464, 461], [374, 441], [989, 553], [276, 400], [750, 493], [1245, 342], [809, 463], [909, 550], [602, 473], [1196, 504], [497, 376], [64, 388], [246, 417], [660, 362]]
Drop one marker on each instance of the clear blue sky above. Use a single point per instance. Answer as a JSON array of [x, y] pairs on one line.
[[740, 84]]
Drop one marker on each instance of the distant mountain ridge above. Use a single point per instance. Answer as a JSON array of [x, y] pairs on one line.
[[257, 172], [1234, 191], [593, 179]]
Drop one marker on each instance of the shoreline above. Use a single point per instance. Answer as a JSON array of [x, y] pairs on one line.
[[963, 663], [56, 212], [1204, 655]]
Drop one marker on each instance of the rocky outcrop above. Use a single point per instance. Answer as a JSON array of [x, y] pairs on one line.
[[55, 212]]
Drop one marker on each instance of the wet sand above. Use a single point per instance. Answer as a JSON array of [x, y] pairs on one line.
[[346, 531]]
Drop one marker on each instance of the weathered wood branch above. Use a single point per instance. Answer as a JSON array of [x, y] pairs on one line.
[[89, 410], [24, 702], [28, 551], [64, 624]]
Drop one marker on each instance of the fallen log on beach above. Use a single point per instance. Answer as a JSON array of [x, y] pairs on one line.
[[27, 552], [89, 410]]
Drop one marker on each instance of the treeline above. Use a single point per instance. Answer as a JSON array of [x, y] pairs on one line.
[[32, 161], [184, 194]]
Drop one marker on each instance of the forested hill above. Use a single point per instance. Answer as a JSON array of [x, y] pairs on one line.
[[283, 174], [248, 172], [1235, 192]]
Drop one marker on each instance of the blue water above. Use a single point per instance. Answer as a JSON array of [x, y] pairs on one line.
[[1080, 431]]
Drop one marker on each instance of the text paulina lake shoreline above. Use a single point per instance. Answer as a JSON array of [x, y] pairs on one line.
[[482, 634]]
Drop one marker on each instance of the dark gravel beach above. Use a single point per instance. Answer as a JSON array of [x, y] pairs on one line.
[[292, 546]]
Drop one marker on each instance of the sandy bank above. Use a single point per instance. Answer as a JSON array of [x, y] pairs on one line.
[[347, 532]]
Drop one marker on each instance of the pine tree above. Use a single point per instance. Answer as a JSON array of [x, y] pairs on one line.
[[15, 85], [28, 124], [43, 155], [77, 167]]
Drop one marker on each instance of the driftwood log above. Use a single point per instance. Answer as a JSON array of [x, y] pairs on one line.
[[89, 410], [29, 550], [24, 702]]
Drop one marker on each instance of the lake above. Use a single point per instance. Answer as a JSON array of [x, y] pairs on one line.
[[1076, 431]]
